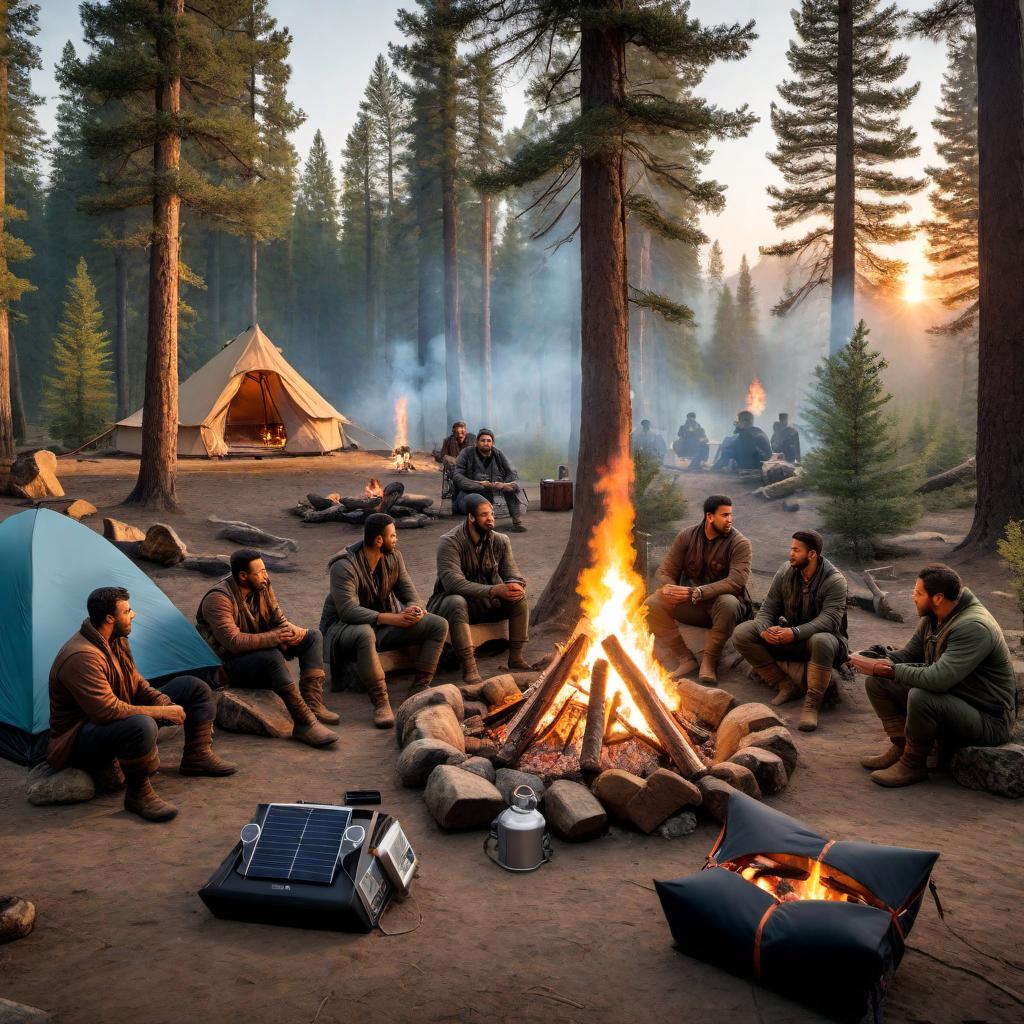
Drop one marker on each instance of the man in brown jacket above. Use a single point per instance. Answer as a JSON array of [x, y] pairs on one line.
[[478, 581], [243, 624], [703, 582], [104, 715]]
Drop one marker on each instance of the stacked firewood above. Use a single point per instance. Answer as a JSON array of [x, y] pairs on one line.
[[410, 511]]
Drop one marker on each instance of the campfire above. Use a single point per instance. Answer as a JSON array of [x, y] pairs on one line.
[[756, 401], [402, 453], [373, 489], [273, 436]]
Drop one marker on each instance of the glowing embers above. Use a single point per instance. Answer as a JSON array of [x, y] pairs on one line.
[[790, 878]]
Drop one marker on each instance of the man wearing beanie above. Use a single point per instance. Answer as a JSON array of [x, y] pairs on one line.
[[483, 469], [478, 581], [803, 618]]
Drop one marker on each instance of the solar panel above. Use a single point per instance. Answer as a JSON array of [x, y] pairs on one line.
[[299, 843]]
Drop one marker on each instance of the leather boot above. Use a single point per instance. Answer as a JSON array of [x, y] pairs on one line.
[[894, 730], [679, 660], [818, 679], [516, 661], [307, 729], [423, 680], [517, 525], [470, 672], [108, 778], [709, 659], [311, 687], [140, 798], [198, 757], [383, 717], [778, 679], [910, 768]]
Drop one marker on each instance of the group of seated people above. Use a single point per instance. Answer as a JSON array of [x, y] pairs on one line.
[[952, 684]]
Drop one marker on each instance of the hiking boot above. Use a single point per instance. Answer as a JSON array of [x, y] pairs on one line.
[[383, 716], [306, 729], [517, 526], [676, 658], [470, 672], [894, 730], [312, 689], [516, 661], [422, 681], [685, 667], [198, 757], [778, 679], [818, 679], [108, 778], [708, 675], [908, 770], [140, 797]]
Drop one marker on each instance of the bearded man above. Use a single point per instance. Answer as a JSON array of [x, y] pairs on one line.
[[483, 469], [454, 443]]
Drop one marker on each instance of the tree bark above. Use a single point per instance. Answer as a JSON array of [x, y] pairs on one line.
[[642, 382], [843, 236], [606, 414], [1000, 439], [575, 361], [7, 447], [158, 466], [448, 88], [18, 421], [121, 330], [370, 268], [486, 240]]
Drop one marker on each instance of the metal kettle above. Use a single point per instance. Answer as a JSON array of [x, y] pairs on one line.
[[519, 834]]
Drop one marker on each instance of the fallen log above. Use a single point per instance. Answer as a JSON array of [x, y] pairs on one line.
[[662, 724], [593, 734], [782, 489], [880, 600], [332, 514], [34, 475], [243, 533], [964, 473], [220, 565]]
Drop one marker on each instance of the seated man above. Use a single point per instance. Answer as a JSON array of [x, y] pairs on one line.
[[692, 442], [373, 606], [104, 715], [803, 618], [454, 443], [786, 439], [243, 624], [483, 469], [649, 442], [953, 681], [703, 583], [747, 448], [478, 581]]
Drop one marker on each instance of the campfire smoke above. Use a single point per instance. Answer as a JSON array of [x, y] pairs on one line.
[[756, 401], [402, 454]]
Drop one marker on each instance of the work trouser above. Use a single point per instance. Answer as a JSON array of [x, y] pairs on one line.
[[460, 613], [821, 649], [268, 669], [361, 643], [936, 716], [135, 736], [514, 499], [721, 616]]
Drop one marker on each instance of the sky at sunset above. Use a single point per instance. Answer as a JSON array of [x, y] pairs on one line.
[[336, 42]]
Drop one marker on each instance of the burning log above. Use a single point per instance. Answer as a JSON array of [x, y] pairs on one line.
[[611, 715], [590, 753], [964, 473], [662, 724], [547, 688]]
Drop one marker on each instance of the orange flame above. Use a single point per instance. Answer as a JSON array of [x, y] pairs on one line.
[[756, 397], [401, 423], [787, 889]]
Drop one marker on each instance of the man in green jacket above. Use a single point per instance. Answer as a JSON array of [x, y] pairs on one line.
[[803, 618], [953, 681]]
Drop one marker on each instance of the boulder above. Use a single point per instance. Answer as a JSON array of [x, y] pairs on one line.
[[75, 508], [20, 1013], [17, 918], [663, 794], [678, 825], [257, 712], [707, 704], [434, 722], [461, 800], [421, 757], [443, 694], [499, 689], [508, 780], [34, 475], [769, 769], [715, 795], [121, 533], [778, 740], [615, 788], [740, 722], [739, 777], [998, 770], [45, 786], [479, 766], [161, 544], [572, 811]]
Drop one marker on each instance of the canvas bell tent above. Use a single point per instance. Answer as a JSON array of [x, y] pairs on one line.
[[247, 399], [51, 565]]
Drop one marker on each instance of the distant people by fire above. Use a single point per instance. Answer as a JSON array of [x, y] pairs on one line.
[[649, 442], [747, 448], [692, 442], [786, 438], [454, 443], [484, 469]]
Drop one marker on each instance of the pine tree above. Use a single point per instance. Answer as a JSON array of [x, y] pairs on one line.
[[838, 127], [716, 266], [77, 399], [853, 464], [748, 338], [725, 352]]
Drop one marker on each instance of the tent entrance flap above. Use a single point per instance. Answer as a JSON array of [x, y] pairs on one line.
[[254, 422]]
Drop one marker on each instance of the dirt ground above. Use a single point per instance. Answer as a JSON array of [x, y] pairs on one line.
[[121, 934]]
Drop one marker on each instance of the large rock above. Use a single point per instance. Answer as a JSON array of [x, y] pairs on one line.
[[121, 533], [715, 795], [708, 704], [69, 786], [461, 800], [997, 770], [769, 769], [663, 794], [572, 811], [615, 788], [17, 918], [778, 740], [508, 780], [161, 544], [34, 475], [479, 766], [499, 689], [20, 1013], [740, 722], [421, 757], [434, 722], [678, 825], [739, 777], [257, 712], [74, 508], [443, 694]]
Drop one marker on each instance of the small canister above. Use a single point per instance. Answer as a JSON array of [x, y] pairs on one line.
[[519, 834]]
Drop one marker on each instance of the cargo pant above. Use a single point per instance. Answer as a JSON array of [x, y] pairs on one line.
[[268, 668], [460, 612], [935, 716], [821, 649], [361, 644], [721, 616]]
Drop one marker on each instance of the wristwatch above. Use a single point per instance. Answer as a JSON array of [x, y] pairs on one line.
[[695, 595]]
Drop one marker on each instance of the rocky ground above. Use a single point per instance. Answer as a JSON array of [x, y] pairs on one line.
[[120, 933]]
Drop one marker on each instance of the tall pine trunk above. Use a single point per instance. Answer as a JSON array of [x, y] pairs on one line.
[[121, 329], [370, 268], [575, 361], [605, 421], [643, 381], [158, 466], [450, 243], [6, 414], [425, 257], [1000, 441], [843, 238], [486, 241], [17, 401]]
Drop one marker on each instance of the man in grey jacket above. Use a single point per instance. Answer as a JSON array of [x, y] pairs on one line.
[[803, 618], [478, 581], [483, 469], [373, 606]]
